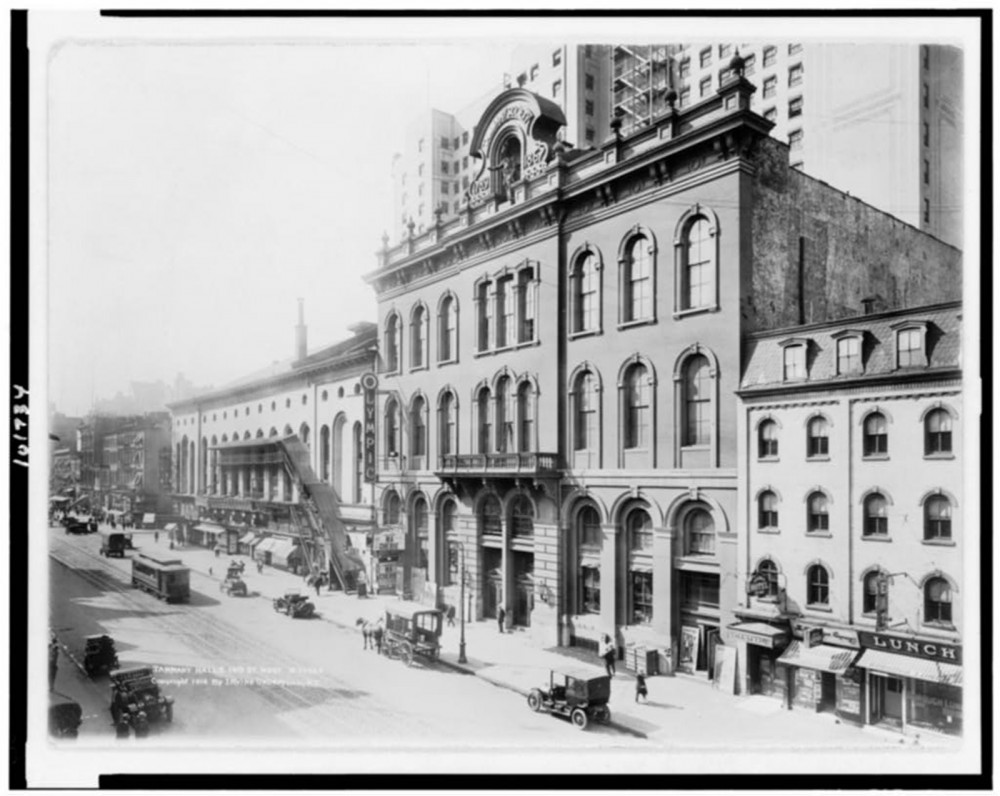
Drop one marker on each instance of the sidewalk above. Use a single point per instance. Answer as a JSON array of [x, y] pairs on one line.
[[684, 710]]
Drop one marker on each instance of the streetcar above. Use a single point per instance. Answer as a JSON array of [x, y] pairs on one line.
[[169, 579]]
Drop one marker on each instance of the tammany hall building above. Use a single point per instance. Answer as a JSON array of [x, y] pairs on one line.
[[559, 365]]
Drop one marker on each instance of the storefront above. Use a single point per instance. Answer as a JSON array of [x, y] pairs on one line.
[[764, 644], [818, 677], [699, 615], [387, 551], [245, 546], [285, 554], [912, 682]]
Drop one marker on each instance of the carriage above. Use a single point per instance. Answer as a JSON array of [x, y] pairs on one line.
[[99, 655], [412, 630], [234, 585], [294, 604], [582, 695]]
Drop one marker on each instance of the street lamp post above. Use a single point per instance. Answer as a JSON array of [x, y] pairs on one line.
[[461, 607]]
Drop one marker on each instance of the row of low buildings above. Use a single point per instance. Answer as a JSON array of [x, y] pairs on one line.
[[660, 388]]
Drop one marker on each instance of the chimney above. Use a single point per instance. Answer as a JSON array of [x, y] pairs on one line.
[[300, 333]]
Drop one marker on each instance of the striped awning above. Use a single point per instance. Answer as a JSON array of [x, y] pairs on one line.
[[247, 538], [906, 666], [823, 657], [205, 527], [266, 545]]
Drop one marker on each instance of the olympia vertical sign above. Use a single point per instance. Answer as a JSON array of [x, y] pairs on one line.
[[369, 384]]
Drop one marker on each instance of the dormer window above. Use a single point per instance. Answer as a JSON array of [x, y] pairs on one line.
[[911, 344], [849, 352], [795, 359]]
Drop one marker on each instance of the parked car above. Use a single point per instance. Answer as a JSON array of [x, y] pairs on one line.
[[65, 716], [99, 655], [295, 605], [581, 695], [136, 695]]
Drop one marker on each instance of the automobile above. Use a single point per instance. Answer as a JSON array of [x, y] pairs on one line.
[[412, 629], [234, 585], [135, 695], [581, 695], [75, 526], [294, 604], [65, 716], [113, 543], [99, 655]]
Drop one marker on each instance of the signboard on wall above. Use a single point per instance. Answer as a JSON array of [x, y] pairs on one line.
[[688, 654], [916, 648], [369, 385], [725, 669]]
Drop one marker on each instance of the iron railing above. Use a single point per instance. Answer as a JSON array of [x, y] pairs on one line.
[[499, 463]]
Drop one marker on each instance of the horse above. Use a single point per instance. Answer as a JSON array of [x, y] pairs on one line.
[[371, 633]]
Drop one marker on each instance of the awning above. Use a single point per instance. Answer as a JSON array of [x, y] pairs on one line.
[[759, 634], [247, 537], [148, 518], [359, 541], [905, 666], [265, 545], [282, 548], [170, 526], [824, 657], [205, 527]]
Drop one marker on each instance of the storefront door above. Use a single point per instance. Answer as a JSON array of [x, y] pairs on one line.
[[492, 582], [828, 691], [887, 700], [524, 588], [712, 640]]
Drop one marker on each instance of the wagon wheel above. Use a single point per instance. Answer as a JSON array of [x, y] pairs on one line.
[[535, 700], [603, 714], [406, 653], [579, 718]]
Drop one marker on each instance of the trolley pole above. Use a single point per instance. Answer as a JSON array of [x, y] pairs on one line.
[[461, 599]]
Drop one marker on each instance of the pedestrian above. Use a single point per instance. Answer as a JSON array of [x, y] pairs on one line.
[[218, 552], [317, 582], [53, 661], [209, 570], [122, 726], [640, 688], [156, 536], [609, 653], [501, 616], [451, 615], [377, 634], [260, 567]]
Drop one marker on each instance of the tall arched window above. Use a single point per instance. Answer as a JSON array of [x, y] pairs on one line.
[[818, 520], [418, 427], [304, 434], [699, 533], [324, 453], [937, 518], [588, 523], [697, 401], [876, 515], [637, 407], [490, 517], [639, 533], [483, 424], [637, 281], [504, 416], [767, 510], [767, 440], [817, 586], [585, 420], [589, 539], [526, 417], [585, 295], [392, 342], [522, 516], [418, 337], [698, 289], [391, 428], [817, 438], [937, 432], [419, 530], [769, 571], [876, 435], [937, 602], [526, 301], [391, 511], [448, 330], [448, 424]]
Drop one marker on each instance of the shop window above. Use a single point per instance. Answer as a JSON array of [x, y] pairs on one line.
[[637, 407], [522, 516], [767, 510], [767, 440], [448, 531], [818, 513], [937, 602], [817, 438], [937, 433], [876, 522], [699, 533], [590, 590], [937, 518], [392, 343], [490, 517], [876, 435], [817, 586]]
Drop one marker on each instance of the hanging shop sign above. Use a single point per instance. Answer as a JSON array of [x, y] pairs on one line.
[[916, 648], [369, 384], [758, 585]]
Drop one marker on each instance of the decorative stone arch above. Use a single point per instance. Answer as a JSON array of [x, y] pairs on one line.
[[680, 409], [488, 490], [412, 494], [938, 405], [505, 371], [225, 438], [875, 490], [623, 370], [768, 488], [822, 490], [873, 410], [573, 278], [443, 493], [938, 492], [626, 501], [507, 501], [624, 271], [577, 498], [818, 562], [937, 573], [767, 418], [817, 414], [679, 506], [246, 435], [768, 557], [871, 569], [681, 232], [388, 495]]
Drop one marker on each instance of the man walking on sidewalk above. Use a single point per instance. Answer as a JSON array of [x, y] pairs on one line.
[[608, 652], [501, 616], [53, 661]]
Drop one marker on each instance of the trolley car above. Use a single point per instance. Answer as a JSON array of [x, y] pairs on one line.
[[169, 580]]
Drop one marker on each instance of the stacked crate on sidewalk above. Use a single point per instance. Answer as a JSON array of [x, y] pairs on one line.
[[640, 659]]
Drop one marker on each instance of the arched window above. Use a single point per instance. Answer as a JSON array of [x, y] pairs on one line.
[[585, 421], [448, 330], [304, 434], [639, 528], [937, 602], [767, 440], [767, 513], [419, 531], [526, 301], [876, 435], [637, 281], [391, 511], [817, 586], [769, 571], [418, 337], [392, 342], [639, 536], [819, 513], [504, 416], [699, 533], [526, 417], [522, 515], [391, 428], [483, 420], [418, 427], [272, 433], [937, 518], [698, 288], [490, 517], [817, 438], [697, 401], [589, 542], [869, 598], [584, 279], [876, 515], [448, 424], [324, 453], [246, 435], [937, 432], [637, 407], [588, 525]]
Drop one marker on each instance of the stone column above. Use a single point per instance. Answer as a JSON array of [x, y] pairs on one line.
[[663, 581], [467, 529], [609, 579], [506, 572], [240, 481], [434, 554], [227, 488], [548, 586]]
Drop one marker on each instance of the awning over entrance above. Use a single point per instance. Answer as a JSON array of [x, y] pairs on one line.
[[282, 548], [266, 546], [148, 519], [206, 527], [247, 538], [824, 657], [759, 633], [905, 666], [170, 526]]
